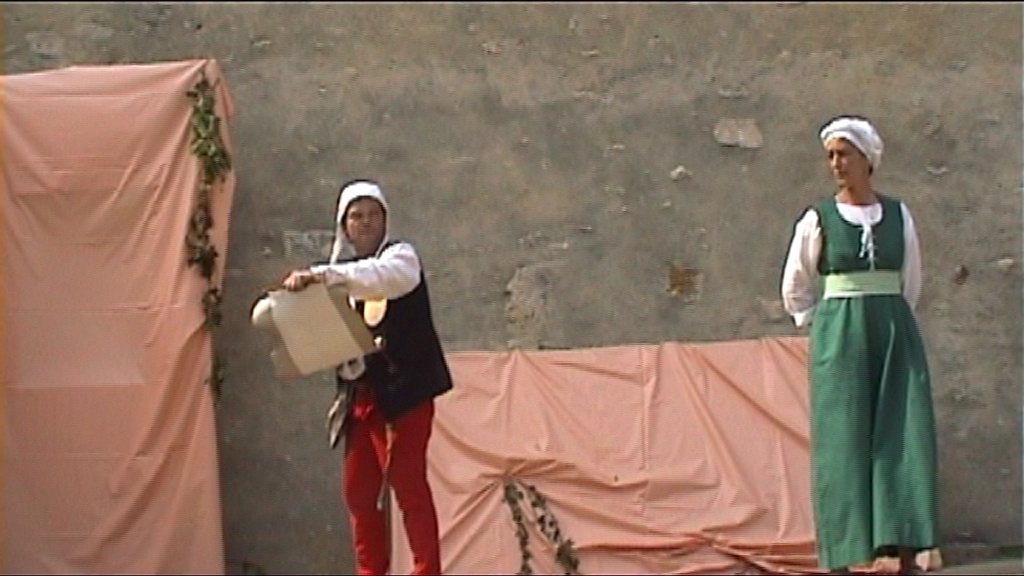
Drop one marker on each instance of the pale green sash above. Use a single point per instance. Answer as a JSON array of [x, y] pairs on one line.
[[863, 283]]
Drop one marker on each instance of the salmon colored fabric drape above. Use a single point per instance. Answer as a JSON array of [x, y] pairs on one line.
[[110, 459], [654, 459]]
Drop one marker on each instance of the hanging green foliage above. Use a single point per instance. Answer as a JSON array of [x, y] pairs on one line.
[[215, 163], [565, 553]]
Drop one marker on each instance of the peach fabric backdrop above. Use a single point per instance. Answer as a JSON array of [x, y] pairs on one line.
[[110, 445], [664, 458]]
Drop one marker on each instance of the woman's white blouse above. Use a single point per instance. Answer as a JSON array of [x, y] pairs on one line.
[[800, 282]]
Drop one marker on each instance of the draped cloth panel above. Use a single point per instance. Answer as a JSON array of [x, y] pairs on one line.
[[110, 458], [671, 458]]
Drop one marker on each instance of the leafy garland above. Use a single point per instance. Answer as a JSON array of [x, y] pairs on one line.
[[207, 145], [565, 553]]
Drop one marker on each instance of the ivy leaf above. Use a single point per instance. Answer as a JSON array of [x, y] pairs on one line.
[[207, 145]]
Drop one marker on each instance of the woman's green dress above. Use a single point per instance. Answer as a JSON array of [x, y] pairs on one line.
[[872, 422]]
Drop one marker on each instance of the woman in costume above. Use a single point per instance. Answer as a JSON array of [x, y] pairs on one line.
[[853, 274]]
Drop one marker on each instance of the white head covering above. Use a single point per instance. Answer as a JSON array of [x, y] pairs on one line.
[[858, 132], [351, 192]]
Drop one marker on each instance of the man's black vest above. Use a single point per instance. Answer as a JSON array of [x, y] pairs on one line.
[[410, 368]]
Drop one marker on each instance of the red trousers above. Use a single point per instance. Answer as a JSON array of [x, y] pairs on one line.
[[368, 453]]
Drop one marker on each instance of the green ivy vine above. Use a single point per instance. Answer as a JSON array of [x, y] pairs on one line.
[[207, 145], [565, 553]]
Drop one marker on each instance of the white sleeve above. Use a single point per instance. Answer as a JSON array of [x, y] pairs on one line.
[[391, 274], [800, 274], [911, 273]]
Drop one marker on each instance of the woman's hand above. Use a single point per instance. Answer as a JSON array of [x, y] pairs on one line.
[[299, 279]]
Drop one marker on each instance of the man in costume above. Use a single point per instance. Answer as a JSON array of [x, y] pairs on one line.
[[385, 399]]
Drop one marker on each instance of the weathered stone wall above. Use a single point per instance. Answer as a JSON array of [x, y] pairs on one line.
[[554, 162]]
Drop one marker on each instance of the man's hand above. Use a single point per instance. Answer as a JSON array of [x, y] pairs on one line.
[[299, 279]]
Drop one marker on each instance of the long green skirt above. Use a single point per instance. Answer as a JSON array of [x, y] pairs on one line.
[[873, 444]]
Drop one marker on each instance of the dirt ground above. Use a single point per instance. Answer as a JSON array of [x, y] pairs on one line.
[[555, 162]]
